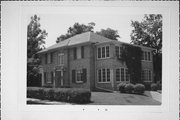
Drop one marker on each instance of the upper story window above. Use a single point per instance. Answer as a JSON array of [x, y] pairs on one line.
[[49, 58], [45, 58], [78, 52], [61, 59], [146, 56], [118, 50], [103, 52]]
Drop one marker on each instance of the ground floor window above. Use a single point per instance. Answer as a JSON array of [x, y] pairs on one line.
[[79, 76], [146, 75], [48, 77], [103, 75], [122, 74]]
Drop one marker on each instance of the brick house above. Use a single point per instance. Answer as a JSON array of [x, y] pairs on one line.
[[89, 61]]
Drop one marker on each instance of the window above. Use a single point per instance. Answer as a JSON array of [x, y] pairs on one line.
[[103, 52], [103, 75], [45, 77], [107, 51], [79, 76], [46, 58], [82, 51], [48, 78], [51, 57], [74, 53], [146, 75], [52, 76], [117, 74], [61, 59], [118, 50], [99, 52], [78, 52], [122, 74], [146, 56]]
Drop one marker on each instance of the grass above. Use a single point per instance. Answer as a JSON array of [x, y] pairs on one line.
[[116, 98]]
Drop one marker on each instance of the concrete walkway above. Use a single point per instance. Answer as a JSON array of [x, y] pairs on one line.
[[154, 95]]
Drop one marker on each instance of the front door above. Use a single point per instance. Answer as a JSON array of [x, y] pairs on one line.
[[59, 78]]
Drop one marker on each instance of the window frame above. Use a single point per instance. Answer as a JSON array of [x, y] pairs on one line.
[[126, 76], [106, 75], [79, 73], [145, 76], [100, 49], [59, 59], [146, 56]]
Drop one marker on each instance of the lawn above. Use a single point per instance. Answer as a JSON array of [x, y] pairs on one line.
[[115, 98]]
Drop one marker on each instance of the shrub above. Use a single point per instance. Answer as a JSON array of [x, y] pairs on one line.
[[129, 88], [75, 95], [121, 87], [159, 85], [154, 87], [139, 89]]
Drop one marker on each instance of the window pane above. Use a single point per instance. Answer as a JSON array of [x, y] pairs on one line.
[[149, 75], [99, 75], [117, 51], [149, 56], [103, 52], [117, 75], [108, 75], [107, 51], [145, 55], [82, 51], [127, 75], [104, 75], [122, 74], [99, 52], [79, 53]]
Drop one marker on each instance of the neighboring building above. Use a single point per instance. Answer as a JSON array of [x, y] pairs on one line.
[[89, 61]]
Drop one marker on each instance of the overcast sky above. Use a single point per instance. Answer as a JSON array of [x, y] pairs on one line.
[[57, 24]]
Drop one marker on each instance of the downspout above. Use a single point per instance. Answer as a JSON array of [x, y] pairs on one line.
[[96, 71]]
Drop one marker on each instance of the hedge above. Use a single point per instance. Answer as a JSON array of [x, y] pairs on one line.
[[121, 87], [129, 88], [74, 95], [139, 89], [154, 87]]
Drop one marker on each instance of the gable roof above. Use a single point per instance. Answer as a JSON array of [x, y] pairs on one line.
[[78, 39]]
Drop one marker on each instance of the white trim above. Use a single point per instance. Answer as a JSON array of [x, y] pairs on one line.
[[60, 55], [105, 52], [124, 74], [102, 75]]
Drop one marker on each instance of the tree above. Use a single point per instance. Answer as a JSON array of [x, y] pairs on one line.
[[35, 43], [109, 33], [76, 29], [149, 33]]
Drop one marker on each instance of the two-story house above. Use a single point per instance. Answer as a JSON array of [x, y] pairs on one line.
[[89, 61]]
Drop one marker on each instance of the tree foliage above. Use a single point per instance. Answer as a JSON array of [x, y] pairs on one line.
[[132, 56], [109, 33], [76, 29], [81, 28], [35, 43], [148, 33]]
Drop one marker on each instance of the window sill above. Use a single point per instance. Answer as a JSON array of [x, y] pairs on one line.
[[79, 82], [103, 58]]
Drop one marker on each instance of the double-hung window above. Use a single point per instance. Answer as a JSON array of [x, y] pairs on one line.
[[146, 75], [103, 52], [118, 50], [122, 75], [61, 59], [78, 52], [103, 75], [79, 76], [146, 56]]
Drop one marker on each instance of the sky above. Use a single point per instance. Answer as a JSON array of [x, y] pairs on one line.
[[58, 24]]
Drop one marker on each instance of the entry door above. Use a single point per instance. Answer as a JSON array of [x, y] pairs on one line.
[[59, 77]]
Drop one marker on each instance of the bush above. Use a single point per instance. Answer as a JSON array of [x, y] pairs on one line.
[[129, 88], [139, 89], [159, 85], [75, 95], [154, 87], [121, 87]]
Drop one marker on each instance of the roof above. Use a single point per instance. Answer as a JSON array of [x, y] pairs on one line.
[[78, 39], [86, 37]]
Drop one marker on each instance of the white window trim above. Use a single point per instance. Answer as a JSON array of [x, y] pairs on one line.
[[105, 52], [77, 76], [148, 75], [143, 58], [124, 75], [119, 50], [102, 75], [60, 54]]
